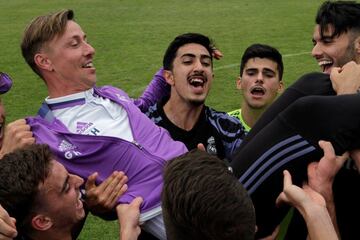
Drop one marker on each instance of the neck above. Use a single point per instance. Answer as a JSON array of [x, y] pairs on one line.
[[251, 115], [183, 115], [52, 235], [59, 88]]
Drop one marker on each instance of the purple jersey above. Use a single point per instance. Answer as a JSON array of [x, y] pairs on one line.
[[141, 160]]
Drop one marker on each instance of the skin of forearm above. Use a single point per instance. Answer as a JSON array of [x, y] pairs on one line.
[[319, 223]]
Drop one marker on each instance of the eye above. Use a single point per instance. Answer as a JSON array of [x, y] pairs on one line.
[[327, 40], [250, 73], [74, 43], [67, 188], [206, 64], [269, 74], [187, 61]]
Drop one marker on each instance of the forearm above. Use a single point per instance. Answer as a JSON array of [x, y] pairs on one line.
[[155, 91], [332, 213], [319, 223]]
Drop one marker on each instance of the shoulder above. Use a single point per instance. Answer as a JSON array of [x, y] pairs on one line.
[[107, 89], [154, 113], [224, 122], [235, 113]]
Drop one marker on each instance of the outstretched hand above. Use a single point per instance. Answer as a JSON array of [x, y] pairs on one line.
[[321, 174], [103, 198], [299, 197]]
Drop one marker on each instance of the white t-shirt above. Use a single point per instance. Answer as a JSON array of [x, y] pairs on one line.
[[89, 114]]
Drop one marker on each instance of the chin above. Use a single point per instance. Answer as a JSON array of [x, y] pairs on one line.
[[81, 215], [196, 102]]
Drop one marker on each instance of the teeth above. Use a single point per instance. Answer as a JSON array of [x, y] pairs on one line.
[[88, 65], [82, 194], [324, 62], [196, 80]]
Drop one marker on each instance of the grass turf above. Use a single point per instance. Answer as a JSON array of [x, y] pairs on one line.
[[130, 37]]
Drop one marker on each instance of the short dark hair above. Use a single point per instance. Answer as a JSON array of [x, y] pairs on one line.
[[262, 51], [342, 15], [202, 199], [22, 171], [40, 31], [180, 41]]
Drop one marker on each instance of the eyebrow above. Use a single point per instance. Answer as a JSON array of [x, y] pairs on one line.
[[269, 70], [65, 184], [193, 55], [264, 69]]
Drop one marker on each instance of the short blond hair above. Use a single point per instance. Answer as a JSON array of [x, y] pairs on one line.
[[41, 30]]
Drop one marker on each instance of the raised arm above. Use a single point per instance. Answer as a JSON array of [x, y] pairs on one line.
[[321, 176], [156, 90], [312, 207]]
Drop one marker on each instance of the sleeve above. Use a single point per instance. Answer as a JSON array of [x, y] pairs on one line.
[[156, 90]]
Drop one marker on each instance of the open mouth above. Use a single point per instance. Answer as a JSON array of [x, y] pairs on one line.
[[88, 65], [325, 65], [257, 91], [197, 80], [79, 203]]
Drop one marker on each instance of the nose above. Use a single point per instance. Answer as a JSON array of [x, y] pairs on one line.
[[89, 50], [259, 78], [76, 180], [316, 52], [198, 66]]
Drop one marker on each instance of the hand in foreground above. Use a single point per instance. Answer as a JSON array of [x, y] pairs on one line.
[[321, 174], [128, 215], [346, 80], [7, 225], [103, 198], [17, 135], [299, 197]]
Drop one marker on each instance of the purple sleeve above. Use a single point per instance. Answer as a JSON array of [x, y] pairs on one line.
[[5, 82], [156, 90]]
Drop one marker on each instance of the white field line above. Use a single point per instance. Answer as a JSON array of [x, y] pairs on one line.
[[138, 89], [238, 64]]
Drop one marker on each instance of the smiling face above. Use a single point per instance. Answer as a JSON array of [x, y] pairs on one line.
[[191, 75], [333, 51], [68, 60], [260, 82], [61, 197]]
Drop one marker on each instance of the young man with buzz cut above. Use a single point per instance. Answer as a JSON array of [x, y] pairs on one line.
[[260, 81]]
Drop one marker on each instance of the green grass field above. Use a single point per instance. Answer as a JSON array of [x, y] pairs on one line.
[[130, 37]]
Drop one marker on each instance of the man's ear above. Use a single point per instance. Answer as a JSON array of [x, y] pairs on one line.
[[41, 222], [281, 87], [238, 83], [169, 77], [43, 62], [357, 46]]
